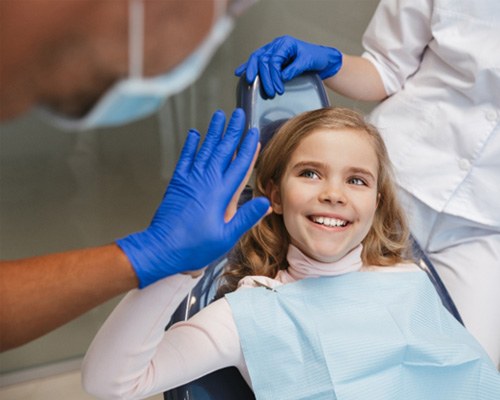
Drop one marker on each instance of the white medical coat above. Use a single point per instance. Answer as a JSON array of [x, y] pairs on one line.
[[440, 64]]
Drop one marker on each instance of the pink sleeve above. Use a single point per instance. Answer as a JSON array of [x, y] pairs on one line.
[[132, 357]]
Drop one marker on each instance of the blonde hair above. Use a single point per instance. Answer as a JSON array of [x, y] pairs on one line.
[[263, 250]]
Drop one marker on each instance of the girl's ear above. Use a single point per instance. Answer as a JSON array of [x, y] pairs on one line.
[[275, 197]]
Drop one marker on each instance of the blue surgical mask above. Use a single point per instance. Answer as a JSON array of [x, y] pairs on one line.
[[137, 97]]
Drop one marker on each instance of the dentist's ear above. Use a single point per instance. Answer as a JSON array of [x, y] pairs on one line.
[[274, 195], [379, 195]]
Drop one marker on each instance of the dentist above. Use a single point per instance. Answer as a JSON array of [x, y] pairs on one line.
[[97, 63]]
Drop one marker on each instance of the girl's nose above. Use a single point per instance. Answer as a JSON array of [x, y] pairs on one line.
[[333, 193]]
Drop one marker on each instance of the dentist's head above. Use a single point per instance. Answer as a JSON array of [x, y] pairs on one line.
[[101, 63]]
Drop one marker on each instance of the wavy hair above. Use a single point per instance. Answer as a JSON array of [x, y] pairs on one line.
[[263, 250]]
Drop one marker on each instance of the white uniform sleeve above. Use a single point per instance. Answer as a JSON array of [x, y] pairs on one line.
[[133, 357], [396, 39]]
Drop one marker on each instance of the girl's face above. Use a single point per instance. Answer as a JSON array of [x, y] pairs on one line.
[[328, 193]]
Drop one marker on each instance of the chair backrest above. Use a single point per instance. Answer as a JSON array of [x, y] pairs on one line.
[[304, 93]]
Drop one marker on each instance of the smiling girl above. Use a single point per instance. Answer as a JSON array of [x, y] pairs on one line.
[[329, 179], [352, 332]]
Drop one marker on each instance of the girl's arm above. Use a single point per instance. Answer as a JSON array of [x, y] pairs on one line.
[[133, 357]]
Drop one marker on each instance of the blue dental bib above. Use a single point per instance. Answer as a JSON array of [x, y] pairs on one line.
[[363, 335]]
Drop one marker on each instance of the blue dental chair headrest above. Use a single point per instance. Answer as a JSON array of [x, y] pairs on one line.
[[304, 93]]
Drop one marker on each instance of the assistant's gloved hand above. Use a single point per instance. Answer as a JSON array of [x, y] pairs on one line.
[[188, 230], [285, 58]]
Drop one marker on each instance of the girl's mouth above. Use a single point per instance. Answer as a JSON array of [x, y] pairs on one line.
[[328, 221]]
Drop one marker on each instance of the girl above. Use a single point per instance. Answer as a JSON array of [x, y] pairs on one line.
[[351, 333]]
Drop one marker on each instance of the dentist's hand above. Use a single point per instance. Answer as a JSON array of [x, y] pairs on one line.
[[285, 58], [188, 230]]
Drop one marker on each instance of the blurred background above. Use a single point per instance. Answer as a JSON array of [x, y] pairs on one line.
[[61, 190]]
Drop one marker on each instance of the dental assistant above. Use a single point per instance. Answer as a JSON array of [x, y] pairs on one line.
[[70, 56], [435, 66]]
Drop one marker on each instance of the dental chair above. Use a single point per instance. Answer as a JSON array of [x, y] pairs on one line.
[[303, 93]]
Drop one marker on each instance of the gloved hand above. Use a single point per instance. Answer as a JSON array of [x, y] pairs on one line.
[[285, 58], [188, 230]]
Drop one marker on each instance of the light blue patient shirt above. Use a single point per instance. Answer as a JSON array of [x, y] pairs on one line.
[[363, 335]]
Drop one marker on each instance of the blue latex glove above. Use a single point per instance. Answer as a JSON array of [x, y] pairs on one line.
[[285, 58], [188, 230]]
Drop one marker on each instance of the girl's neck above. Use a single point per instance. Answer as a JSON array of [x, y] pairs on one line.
[[301, 266]]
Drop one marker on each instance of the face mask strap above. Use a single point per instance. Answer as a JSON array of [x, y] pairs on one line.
[[136, 39]]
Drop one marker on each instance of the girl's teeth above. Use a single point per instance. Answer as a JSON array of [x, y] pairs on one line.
[[329, 221]]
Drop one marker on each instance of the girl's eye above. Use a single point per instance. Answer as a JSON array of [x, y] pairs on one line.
[[357, 181], [309, 174]]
